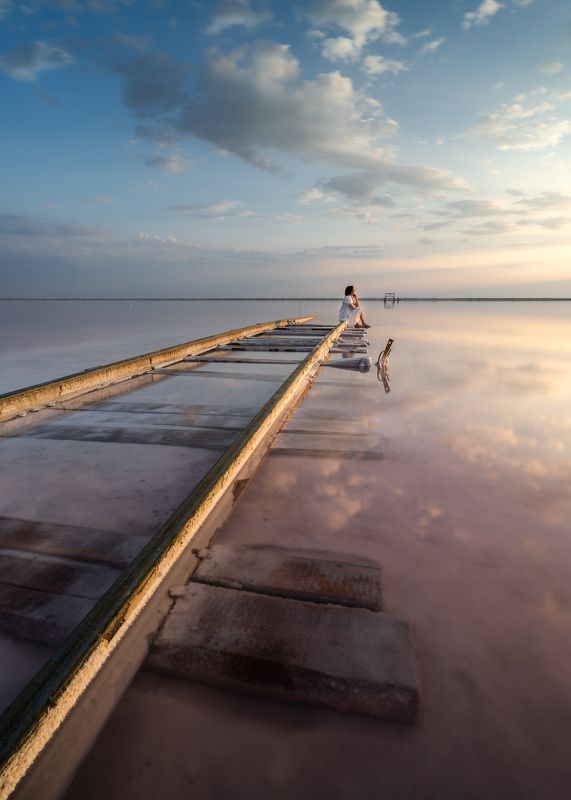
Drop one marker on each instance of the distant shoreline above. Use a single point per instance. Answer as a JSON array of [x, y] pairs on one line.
[[283, 299]]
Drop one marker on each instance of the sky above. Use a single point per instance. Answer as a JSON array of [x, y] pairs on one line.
[[262, 148]]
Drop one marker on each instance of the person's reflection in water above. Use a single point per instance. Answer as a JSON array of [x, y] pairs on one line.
[[383, 375], [383, 366]]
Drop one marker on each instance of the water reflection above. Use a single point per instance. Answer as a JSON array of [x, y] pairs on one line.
[[469, 514], [382, 365]]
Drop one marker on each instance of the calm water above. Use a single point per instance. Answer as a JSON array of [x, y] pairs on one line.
[[469, 513]]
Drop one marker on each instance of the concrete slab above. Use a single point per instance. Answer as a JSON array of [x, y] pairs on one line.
[[37, 616], [349, 659], [178, 389], [70, 541], [277, 571], [165, 436]]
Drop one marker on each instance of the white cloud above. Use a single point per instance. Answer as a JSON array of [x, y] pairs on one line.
[[340, 49], [422, 34], [491, 228], [546, 201], [364, 20], [499, 218], [153, 238], [253, 101], [551, 67], [483, 14], [237, 13], [362, 187], [224, 209], [378, 65], [432, 47], [173, 163], [549, 223], [519, 127], [311, 195], [26, 62]]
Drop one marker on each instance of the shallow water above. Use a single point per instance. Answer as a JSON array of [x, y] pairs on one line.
[[469, 513]]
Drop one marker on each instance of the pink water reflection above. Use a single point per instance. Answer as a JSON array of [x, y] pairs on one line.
[[470, 515]]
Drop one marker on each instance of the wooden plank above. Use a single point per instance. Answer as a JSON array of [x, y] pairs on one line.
[[118, 419], [38, 616], [226, 375], [238, 360], [163, 408], [57, 575], [23, 400], [163, 436], [349, 659], [71, 541], [317, 577]]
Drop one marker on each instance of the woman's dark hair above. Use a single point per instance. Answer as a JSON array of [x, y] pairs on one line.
[[349, 290]]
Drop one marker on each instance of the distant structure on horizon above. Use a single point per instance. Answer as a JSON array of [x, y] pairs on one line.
[[390, 299]]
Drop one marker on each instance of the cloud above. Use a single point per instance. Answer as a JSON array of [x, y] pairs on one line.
[[364, 20], [431, 47], [550, 223], [224, 209], [500, 219], [546, 201], [172, 163], [379, 65], [311, 195], [362, 187], [153, 238], [153, 83], [340, 49], [519, 127], [551, 67], [483, 14], [26, 62], [422, 34], [474, 208], [253, 101], [236, 13], [491, 228]]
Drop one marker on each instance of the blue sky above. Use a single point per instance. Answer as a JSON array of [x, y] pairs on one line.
[[251, 148]]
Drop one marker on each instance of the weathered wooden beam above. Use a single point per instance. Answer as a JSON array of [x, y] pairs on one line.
[[22, 400], [50, 725]]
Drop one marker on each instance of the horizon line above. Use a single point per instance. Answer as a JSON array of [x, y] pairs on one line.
[[283, 299]]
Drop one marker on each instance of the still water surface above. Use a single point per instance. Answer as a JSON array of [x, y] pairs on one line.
[[469, 514]]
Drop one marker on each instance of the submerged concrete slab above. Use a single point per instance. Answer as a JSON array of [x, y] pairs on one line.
[[349, 659], [277, 571]]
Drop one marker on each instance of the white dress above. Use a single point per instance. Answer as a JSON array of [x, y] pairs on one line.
[[349, 312]]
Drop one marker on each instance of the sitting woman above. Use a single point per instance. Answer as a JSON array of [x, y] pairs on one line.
[[351, 311]]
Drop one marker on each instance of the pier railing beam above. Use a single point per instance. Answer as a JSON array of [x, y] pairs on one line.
[[32, 397]]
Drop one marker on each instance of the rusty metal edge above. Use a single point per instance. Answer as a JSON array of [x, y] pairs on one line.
[[30, 723], [22, 400]]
